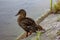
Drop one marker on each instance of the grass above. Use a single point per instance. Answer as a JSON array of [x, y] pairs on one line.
[[38, 35], [51, 5], [57, 5]]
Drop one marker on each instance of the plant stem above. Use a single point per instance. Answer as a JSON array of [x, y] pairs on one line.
[[51, 5]]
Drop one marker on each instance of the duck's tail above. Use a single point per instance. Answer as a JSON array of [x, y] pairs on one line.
[[39, 28]]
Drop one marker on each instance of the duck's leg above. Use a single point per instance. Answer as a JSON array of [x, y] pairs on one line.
[[30, 33], [27, 34]]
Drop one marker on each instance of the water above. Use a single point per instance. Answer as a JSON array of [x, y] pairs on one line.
[[9, 29]]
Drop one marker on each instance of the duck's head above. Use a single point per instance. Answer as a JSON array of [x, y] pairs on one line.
[[21, 12]]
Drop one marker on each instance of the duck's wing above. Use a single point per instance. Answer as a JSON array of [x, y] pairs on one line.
[[28, 24], [28, 21]]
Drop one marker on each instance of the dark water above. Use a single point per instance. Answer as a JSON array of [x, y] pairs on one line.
[[9, 28]]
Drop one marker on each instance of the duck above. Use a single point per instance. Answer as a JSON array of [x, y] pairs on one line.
[[27, 23]]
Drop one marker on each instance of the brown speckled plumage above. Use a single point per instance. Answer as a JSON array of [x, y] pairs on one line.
[[27, 23]]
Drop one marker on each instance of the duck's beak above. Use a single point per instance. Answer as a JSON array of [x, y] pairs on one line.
[[17, 14]]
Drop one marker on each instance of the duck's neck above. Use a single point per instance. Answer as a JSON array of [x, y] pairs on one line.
[[20, 18]]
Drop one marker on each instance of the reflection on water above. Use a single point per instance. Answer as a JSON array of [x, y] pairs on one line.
[[9, 28]]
